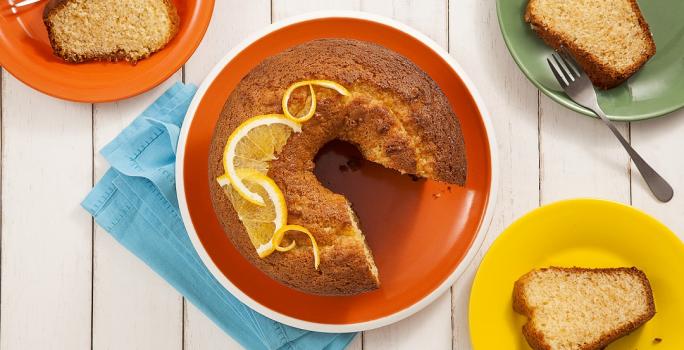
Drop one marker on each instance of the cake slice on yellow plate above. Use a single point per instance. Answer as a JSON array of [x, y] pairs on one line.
[[582, 309]]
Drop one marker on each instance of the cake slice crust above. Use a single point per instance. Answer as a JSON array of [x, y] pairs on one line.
[[582, 309], [609, 39], [105, 30]]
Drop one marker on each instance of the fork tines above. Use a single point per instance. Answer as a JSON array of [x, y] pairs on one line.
[[564, 68]]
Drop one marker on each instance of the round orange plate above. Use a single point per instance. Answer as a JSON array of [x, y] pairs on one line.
[[422, 234], [26, 53]]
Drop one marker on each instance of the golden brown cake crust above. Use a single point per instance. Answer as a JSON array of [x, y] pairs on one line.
[[55, 5], [602, 76], [397, 116], [536, 338]]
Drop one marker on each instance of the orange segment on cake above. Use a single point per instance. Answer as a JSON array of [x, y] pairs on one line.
[[106, 30], [333, 89]]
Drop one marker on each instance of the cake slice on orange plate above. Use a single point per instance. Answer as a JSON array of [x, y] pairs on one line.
[[106, 30]]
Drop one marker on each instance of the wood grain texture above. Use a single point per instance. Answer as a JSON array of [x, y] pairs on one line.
[[660, 142], [46, 236], [133, 308], [580, 157], [60, 276], [232, 22], [356, 343], [429, 17], [201, 333], [512, 103], [429, 328], [282, 9]]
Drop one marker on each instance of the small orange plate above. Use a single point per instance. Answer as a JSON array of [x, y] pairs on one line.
[[422, 233], [26, 53]]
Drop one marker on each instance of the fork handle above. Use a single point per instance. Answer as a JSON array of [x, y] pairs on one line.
[[660, 188]]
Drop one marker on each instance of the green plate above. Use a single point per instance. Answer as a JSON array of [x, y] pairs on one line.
[[655, 90]]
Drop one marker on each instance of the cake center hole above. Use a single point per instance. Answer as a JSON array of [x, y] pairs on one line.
[[382, 198]]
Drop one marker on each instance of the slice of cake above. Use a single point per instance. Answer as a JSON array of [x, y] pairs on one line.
[[109, 30], [609, 39], [582, 309]]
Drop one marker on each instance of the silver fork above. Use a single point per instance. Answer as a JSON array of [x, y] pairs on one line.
[[577, 85]]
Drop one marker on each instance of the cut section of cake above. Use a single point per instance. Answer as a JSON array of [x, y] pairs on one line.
[[106, 30], [582, 309], [609, 39]]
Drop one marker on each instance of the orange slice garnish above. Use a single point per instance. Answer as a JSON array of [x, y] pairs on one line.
[[260, 221], [255, 197], [252, 146], [268, 248], [312, 106]]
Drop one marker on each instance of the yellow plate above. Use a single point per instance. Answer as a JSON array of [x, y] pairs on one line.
[[584, 233]]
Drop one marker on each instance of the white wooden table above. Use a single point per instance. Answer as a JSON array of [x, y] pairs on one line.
[[66, 284]]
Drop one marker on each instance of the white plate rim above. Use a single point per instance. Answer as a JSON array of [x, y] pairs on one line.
[[475, 246]]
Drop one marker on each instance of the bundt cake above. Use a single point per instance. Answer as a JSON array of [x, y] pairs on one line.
[[108, 30], [392, 111]]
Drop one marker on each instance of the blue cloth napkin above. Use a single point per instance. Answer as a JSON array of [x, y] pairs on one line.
[[135, 201]]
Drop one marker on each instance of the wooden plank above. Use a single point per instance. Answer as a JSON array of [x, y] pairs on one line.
[[660, 142], [580, 157], [356, 343], [287, 8], [512, 104], [46, 236], [202, 333], [430, 328], [232, 22], [133, 308], [429, 17]]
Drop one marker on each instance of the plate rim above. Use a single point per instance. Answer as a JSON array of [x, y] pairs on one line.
[[565, 101], [468, 258], [545, 207], [134, 91]]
